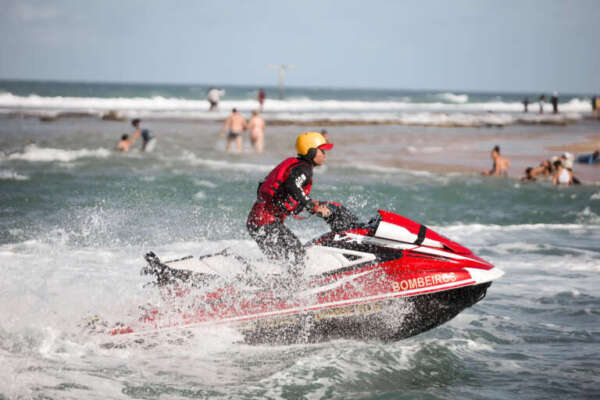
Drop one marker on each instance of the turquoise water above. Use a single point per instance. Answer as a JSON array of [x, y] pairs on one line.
[[76, 218]]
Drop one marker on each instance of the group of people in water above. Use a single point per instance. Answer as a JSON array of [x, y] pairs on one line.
[[126, 141], [541, 102], [558, 168], [214, 96], [236, 124]]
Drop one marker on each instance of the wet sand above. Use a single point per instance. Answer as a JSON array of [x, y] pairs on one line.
[[464, 150], [435, 149]]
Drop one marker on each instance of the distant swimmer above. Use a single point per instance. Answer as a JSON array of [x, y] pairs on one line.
[[567, 160], [213, 97], [256, 126], [124, 143], [544, 169], [541, 102], [592, 158], [261, 98], [528, 176], [148, 141], [234, 126], [500, 164], [525, 104]]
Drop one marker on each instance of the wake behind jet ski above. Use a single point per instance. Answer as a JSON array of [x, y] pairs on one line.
[[387, 279]]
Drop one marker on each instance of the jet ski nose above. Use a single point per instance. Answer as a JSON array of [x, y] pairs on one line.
[[485, 275]]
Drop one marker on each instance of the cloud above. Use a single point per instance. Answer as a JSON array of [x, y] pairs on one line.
[[34, 11]]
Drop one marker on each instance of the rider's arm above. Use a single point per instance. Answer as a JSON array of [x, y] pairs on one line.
[[298, 178]]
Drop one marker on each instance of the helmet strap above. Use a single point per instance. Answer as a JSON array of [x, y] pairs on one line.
[[309, 156]]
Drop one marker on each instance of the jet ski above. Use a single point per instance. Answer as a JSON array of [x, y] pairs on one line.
[[386, 279]]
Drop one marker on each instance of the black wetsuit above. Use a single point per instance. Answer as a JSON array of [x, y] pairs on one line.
[[265, 221]]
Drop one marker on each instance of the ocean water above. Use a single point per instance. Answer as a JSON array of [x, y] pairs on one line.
[[77, 217]]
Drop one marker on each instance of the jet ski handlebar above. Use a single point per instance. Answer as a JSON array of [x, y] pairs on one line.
[[340, 218]]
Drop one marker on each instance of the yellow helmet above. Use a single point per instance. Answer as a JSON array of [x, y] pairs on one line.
[[311, 140]]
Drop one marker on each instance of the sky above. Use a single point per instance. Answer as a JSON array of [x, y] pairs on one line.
[[476, 45]]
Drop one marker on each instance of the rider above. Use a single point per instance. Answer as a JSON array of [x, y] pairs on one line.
[[285, 191]]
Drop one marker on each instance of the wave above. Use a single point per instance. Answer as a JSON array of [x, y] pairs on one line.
[[451, 110], [476, 228], [454, 98], [193, 160], [34, 153], [588, 216], [7, 174], [385, 170]]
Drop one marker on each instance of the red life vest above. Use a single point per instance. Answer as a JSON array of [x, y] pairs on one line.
[[265, 210]]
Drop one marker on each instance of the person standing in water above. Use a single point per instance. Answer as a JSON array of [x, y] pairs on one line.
[[144, 133], [562, 175], [213, 97], [234, 125], [286, 191], [256, 126], [554, 102], [261, 98], [500, 165]]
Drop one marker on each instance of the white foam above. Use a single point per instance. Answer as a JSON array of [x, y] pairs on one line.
[[588, 216], [159, 103], [452, 110], [8, 174], [386, 170], [192, 159], [34, 153], [205, 183], [454, 98], [424, 150], [476, 228]]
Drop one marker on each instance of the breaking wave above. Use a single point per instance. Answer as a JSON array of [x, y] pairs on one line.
[[8, 174], [448, 109], [34, 153]]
